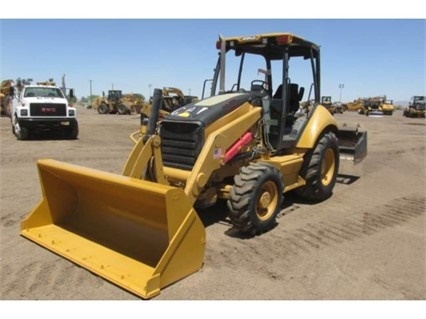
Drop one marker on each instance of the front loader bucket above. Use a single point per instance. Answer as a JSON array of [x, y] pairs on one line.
[[140, 235], [352, 144]]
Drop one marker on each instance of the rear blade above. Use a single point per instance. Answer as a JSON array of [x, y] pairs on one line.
[[352, 144]]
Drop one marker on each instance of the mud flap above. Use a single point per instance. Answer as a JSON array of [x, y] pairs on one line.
[[141, 236], [352, 144]]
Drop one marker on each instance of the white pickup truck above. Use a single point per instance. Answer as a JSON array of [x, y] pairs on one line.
[[43, 108]]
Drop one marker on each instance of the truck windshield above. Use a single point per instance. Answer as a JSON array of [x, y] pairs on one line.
[[43, 92]]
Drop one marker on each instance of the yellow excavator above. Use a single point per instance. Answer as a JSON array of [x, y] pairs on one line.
[[246, 144]]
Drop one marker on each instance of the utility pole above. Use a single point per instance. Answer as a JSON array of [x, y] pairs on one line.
[[341, 86], [149, 85], [90, 96]]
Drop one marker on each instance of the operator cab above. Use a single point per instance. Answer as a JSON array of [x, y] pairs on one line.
[[114, 95], [279, 59]]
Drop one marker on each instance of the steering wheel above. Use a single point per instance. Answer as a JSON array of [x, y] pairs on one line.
[[258, 83]]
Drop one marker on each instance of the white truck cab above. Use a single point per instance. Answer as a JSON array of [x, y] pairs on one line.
[[43, 107]]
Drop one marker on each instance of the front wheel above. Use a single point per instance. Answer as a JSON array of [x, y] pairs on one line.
[[72, 132], [320, 169], [21, 133], [255, 198]]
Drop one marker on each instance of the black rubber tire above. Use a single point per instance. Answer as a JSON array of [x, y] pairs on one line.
[[103, 108], [122, 109], [23, 134], [72, 132], [320, 169], [255, 198]]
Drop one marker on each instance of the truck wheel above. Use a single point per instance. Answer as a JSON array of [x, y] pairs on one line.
[[72, 132], [21, 133], [320, 169], [103, 108], [256, 198], [123, 109]]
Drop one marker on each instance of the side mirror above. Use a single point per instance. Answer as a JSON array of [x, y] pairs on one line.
[[11, 91], [71, 93]]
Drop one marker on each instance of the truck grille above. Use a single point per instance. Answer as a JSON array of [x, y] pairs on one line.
[[48, 109], [181, 144]]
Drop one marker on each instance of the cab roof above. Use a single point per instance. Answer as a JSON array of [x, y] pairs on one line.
[[270, 45]]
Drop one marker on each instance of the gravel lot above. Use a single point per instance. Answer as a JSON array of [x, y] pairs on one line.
[[367, 242]]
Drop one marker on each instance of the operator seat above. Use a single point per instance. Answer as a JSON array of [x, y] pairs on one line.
[[294, 96]]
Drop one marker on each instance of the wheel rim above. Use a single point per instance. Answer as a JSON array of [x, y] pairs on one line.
[[267, 201], [327, 167]]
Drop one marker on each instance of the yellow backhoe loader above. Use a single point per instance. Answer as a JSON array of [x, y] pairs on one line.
[[247, 144]]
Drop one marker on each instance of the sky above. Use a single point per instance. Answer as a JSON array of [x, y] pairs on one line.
[[370, 57]]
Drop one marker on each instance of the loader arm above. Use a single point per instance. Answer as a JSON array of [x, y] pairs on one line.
[[213, 154], [146, 154], [140, 157]]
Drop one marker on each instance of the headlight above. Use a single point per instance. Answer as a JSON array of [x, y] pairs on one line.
[[24, 112], [71, 112]]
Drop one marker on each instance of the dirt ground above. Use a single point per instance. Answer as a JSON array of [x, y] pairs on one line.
[[367, 242]]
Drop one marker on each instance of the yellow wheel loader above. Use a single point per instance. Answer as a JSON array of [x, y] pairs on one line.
[[248, 144], [173, 98], [416, 107], [326, 102], [118, 103]]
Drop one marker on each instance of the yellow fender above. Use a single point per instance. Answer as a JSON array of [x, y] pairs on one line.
[[320, 120]]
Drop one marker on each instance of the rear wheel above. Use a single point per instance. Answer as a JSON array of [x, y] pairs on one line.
[[255, 199], [103, 108], [320, 169], [123, 109]]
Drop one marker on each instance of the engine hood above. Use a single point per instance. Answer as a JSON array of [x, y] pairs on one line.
[[210, 109], [46, 100]]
